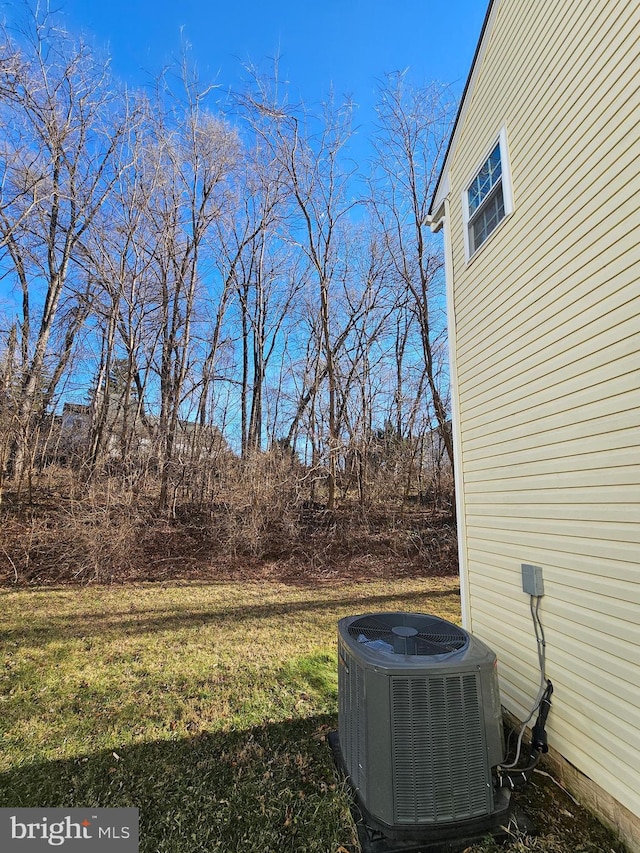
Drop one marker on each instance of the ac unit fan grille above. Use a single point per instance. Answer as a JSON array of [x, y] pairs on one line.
[[405, 633]]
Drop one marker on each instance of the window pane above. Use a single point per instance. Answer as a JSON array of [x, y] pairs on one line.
[[488, 217], [489, 174]]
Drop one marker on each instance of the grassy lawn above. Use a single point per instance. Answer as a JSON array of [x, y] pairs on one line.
[[204, 705]]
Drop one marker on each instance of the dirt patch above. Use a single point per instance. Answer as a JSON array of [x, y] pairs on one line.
[[562, 824]]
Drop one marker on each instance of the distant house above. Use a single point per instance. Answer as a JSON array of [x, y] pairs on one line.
[[192, 441], [539, 201], [73, 435]]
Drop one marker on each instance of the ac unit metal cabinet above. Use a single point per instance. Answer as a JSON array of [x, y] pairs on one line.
[[420, 725]]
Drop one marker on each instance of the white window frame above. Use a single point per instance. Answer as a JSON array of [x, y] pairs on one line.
[[507, 192]]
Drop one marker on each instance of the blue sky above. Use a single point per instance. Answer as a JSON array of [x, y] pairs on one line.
[[349, 44]]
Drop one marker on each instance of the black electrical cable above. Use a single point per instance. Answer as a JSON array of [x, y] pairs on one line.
[[518, 777]]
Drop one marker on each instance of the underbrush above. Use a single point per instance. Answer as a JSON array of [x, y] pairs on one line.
[[105, 531]]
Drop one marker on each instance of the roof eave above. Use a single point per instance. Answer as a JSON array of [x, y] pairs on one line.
[[436, 208]]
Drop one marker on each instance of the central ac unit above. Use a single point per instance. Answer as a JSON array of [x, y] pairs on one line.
[[420, 725]]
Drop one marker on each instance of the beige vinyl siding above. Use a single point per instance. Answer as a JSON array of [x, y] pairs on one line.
[[547, 354]]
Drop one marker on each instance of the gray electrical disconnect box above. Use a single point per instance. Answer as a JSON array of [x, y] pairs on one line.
[[532, 580]]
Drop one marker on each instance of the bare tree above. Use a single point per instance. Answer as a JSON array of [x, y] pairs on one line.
[[368, 308], [57, 98], [253, 264], [265, 295], [193, 156], [125, 309], [310, 154], [413, 128]]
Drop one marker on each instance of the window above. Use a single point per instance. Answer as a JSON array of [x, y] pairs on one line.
[[487, 199]]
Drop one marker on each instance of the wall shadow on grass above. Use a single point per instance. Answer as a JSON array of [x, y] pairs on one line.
[[268, 788], [47, 629]]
